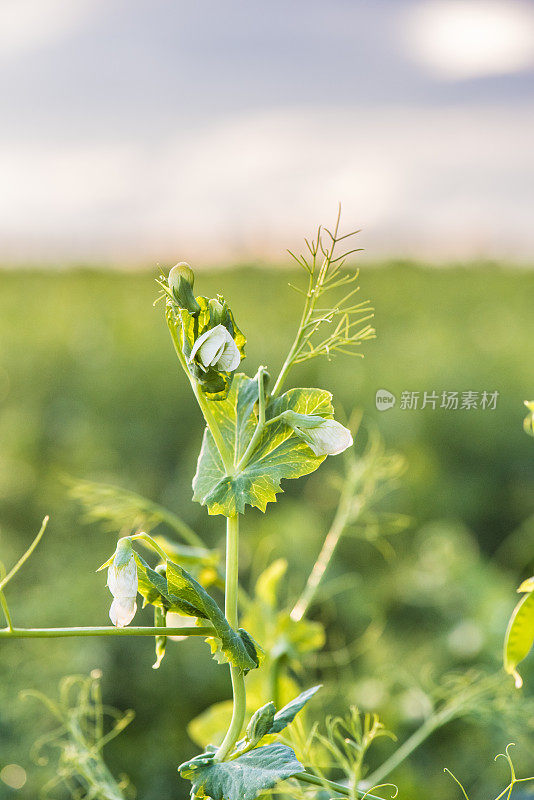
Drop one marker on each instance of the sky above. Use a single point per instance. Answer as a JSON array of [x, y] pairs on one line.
[[136, 132]]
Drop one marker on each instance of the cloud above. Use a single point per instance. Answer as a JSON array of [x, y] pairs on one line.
[[464, 39], [429, 183], [29, 24]]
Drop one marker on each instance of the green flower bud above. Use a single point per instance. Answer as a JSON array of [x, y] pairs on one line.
[[217, 312], [181, 280], [261, 722]]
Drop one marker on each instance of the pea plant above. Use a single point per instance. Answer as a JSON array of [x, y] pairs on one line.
[[257, 432]]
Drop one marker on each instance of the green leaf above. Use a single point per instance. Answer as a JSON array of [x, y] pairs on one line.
[[154, 588], [177, 590], [229, 645], [288, 713], [519, 636], [261, 722], [243, 778], [279, 453]]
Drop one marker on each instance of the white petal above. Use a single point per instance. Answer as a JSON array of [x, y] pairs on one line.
[[334, 437], [122, 611], [230, 357], [122, 581], [210, 345], [327, 438]]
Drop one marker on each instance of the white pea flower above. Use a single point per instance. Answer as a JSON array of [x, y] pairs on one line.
[[123, 583], [326, 437], [216, 348], [122, 611]]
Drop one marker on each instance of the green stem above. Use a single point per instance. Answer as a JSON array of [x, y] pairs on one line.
[[296, 343], [55, 633], [5, 608], [406, 749], [145, 537], [204, 404], [261, 422], [26, 555], [306, 777], [344, 510], [231, 611], [309, 306]]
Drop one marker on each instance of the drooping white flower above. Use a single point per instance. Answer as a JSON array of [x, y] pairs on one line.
[[123, 584], [122, 611], [216, 348], [326, 437], [122, 579]]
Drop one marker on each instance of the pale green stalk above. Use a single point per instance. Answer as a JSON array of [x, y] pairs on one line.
[[12, 572], [145, 537], [296, 343], [344, 510], [309, 305], [261, 422], [5, 609], [412, 743], [231, 611], [458, 705], [26, 555], [60, 633]]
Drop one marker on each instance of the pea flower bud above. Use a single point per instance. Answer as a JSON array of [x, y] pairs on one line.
[[261, 723], [181, 280], [216, 348], [326, 437], [122, 583], [216, 311]]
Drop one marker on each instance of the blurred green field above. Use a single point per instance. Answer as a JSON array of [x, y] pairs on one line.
[[90, 387]]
